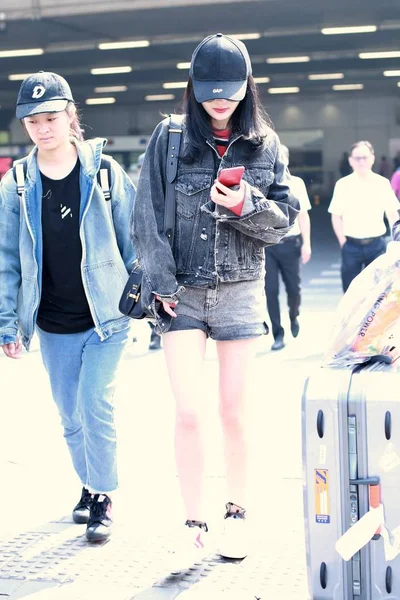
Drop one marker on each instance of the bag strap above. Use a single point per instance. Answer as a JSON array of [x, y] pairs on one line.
[[104, 178], [19, 172], [174, 142]]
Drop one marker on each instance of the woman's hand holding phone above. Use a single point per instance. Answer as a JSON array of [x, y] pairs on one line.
[[228, 190], [226, 196]]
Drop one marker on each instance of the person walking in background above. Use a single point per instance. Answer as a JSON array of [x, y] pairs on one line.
[[360, 202], [395, 182], [65, 255], [284, 259], [396, 161], [344, 166], [211, 282], [385, 168]]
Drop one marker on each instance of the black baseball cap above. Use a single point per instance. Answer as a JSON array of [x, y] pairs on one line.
[[220, 68], [43, 92]]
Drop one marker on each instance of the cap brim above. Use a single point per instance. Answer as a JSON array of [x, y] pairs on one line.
[[226, 90], [36, 108]]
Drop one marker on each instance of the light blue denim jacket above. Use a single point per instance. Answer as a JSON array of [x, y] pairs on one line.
[[107, 252]]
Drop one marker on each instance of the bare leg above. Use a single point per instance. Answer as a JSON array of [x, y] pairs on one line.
[[235, 365], [184, 352]]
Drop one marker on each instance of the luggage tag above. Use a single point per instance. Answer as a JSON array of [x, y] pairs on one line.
[[360, 533]]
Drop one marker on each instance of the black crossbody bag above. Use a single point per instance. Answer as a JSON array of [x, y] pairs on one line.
[[130, 303]]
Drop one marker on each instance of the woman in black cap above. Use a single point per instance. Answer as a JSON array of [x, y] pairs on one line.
[[211, 282], [65, 252]]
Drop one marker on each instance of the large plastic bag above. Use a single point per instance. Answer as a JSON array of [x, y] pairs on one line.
[[367, 321]]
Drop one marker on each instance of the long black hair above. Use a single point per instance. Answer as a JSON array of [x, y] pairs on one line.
[[249, 118]]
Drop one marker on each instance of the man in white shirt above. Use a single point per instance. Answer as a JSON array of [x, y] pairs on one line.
[[360, 202], [284, 259]]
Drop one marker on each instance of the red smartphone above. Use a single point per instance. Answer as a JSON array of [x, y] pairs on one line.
[[231, 176]]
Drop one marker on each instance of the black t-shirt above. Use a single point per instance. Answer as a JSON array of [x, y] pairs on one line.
[[63, 306]]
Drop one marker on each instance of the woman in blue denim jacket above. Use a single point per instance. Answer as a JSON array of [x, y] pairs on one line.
[[211, 282], [65, 254]]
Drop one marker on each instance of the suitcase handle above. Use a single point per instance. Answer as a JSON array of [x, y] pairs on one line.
[[389, 580], [366, 481], [388, 425], [374, 495], [320, 424]]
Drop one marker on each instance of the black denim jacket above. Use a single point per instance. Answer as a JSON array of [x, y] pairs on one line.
[[211, 243]]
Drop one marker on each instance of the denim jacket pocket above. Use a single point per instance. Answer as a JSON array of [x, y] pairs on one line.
[[260, 178], [188, 186]]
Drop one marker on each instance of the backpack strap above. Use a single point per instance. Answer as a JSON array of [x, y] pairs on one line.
[[19, 172], [104, 178], [174, 142]]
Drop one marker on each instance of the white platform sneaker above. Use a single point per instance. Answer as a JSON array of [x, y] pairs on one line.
[[235, 537], [190, 546]]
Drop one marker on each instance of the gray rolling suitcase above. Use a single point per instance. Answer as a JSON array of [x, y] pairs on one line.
[[351, 448]]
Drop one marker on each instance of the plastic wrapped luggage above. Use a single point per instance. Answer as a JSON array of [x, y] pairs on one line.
[[351, 476]]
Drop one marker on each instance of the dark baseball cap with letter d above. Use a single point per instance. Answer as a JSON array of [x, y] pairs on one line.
[[43, 92]]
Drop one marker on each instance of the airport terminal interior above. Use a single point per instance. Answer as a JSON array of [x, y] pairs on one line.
[[328, 75]]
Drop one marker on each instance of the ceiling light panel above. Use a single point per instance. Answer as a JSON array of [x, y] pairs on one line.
[[287, 59], [110, 70], [344, 30], [391, 73], [183, 65], [349, 86], [322, 76], [124, 45], [110, 89], [284, 90], [159, 97], [100, 100], [372, 55], [261, 79], [23, 52], [172, 85], [18, 76], [245, 36]]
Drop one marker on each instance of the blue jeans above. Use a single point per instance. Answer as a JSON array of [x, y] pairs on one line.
[[82, 372], [355, 257]]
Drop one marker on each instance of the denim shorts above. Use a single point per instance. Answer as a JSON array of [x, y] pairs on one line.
[[227, 311]]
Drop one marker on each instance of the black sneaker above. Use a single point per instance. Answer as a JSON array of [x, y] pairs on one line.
[[278, 344], [100, 520], [81, 512], [155, 342], [295, 327]]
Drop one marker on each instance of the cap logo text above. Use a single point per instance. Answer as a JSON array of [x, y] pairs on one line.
[[217, 90], [38, 91]]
